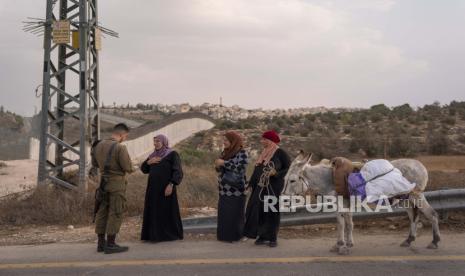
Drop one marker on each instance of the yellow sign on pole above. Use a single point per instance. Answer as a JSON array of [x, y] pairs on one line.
[[75, 43], [98, 39], [61, 32]]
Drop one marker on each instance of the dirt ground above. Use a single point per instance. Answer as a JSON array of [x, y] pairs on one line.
[[17, 176], [130, 231]]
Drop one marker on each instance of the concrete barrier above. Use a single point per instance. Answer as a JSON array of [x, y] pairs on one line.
[[180, 130], [138, 148]]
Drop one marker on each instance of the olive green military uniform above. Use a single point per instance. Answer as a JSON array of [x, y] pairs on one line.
[[110, 214]]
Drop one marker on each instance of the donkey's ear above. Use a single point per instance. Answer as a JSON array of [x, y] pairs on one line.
[[301, 155]]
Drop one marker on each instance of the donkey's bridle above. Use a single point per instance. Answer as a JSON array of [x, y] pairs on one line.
[[301, 179]]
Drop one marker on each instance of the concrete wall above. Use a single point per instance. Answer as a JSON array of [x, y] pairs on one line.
[[140, 147]]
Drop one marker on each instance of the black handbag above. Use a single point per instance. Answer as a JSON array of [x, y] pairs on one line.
[[232, 179]]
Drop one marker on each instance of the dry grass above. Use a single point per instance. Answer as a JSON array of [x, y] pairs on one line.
[[446, 180], [199, 188], [443, 163], [47, 205], [54, 205], [445, 172]]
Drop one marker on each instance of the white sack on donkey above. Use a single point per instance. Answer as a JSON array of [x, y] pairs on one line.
[[384, 180]]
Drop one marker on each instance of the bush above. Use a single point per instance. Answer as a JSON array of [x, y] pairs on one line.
[[346, 118], [310, 117], [403, 146], [461, 139], [438, 144], [319, 147], [304, 132], [402, 111], [449, 121], [380, 109], [273, 126], [190, 157], [309, 125], [433, 110], [367, 141], [287, 132], [375, 117], [224, 125], [329, 118]]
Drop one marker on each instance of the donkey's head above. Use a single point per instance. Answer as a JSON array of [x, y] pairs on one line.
[[294, 182], [303, 177]]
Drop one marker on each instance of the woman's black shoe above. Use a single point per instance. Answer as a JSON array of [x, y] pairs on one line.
[[273, 244], [260, 241]]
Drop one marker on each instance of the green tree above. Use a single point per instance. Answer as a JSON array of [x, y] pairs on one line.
[[402, 111], [380, 109]]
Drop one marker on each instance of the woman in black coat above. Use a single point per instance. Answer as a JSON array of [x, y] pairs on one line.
[[162, 219], [231, 183], [261, 224]]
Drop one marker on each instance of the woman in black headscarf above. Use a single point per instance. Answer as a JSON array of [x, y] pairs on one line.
[[162, 219], [231, 181]]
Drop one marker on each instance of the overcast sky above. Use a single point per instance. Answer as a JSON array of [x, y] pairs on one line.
[[257, 53]]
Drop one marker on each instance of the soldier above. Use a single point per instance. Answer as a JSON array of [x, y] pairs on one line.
[[114, 164]]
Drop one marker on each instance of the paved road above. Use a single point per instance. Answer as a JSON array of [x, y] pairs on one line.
[[375, 255]]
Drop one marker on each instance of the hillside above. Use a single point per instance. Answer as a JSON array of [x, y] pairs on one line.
[[379, 131]]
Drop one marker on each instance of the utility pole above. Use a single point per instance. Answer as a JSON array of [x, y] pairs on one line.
[[70, 93]]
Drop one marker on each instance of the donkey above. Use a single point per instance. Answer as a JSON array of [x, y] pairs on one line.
[[303, 177]]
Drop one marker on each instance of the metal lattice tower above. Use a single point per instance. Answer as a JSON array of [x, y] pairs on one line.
[[70, 95]]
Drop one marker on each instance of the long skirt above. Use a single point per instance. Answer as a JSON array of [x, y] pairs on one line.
[[259, 223], [230, 218], [162, 219]]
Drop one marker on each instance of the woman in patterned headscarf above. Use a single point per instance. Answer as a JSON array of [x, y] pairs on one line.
[[232, 167], [162, 219]]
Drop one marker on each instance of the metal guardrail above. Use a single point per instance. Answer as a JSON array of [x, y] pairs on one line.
[[442, 200]]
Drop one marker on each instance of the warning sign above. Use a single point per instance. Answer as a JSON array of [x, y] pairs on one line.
[[61, 31]]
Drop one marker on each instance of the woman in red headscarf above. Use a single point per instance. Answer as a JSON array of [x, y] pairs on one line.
[[232, 167], [267, 180]]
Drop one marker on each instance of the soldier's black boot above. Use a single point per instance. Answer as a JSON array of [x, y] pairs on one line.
[[111, 247], [101, 243]]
